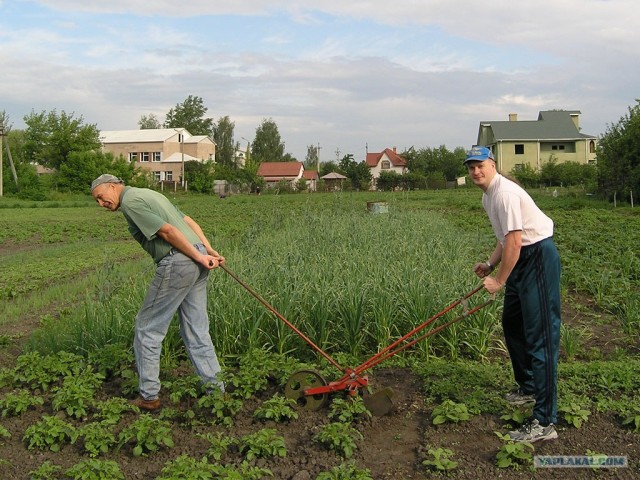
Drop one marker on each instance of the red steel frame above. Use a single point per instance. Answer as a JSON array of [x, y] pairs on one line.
[[352, 380]]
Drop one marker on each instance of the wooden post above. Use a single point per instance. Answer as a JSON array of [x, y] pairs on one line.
[[13, 167]]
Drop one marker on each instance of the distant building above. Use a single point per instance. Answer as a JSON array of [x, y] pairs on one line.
[[161, 151], [386, 161], [276, 172], [554, 135], [240, 157], [311, 176]]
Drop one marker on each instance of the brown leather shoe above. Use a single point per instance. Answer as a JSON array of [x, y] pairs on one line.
[[148, 405]]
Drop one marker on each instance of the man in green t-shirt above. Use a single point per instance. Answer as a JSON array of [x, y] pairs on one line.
[[183, 258]]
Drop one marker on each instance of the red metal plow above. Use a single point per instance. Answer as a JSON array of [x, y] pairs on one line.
[[310, 390]]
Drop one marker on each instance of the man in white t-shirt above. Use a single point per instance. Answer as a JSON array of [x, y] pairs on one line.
[[529, 273]]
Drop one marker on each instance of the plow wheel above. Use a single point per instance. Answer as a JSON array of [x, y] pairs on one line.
[[299, 382]]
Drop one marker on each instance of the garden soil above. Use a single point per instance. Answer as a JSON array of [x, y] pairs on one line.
[[393, 446]]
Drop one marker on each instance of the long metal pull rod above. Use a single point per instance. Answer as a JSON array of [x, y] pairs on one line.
[[389, 353], [281, 317], [393, 348]]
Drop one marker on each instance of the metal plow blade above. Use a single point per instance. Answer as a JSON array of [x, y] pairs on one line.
[[379, 403]]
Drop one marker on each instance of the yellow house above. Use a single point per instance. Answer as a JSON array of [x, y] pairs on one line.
[[162, 151], [555, 135]]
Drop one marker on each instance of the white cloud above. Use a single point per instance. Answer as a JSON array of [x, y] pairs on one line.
[[344, 74]]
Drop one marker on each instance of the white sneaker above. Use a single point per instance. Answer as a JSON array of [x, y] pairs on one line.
[[531, 431]]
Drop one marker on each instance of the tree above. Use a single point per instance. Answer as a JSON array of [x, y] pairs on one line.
[[29, 185], [51, 138], [435, 162], [5, 125], [619, 155], [388, 180], [328, 167], [81, 168], [199, 176], [312, 158], [358, 173], [190, 115], [225, 145], [267, 145], [453, 163], [526, 175], [149, 122]]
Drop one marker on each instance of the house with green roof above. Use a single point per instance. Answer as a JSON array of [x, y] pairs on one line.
[[554, 136]]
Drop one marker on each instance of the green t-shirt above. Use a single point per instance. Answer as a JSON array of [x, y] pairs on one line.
[[146, 211]]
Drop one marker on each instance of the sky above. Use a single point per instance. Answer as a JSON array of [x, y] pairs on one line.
[[349, 76]]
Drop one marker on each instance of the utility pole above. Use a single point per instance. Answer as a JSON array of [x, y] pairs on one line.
[[184, 182], [180, 132], [11, 165], [318, 159]]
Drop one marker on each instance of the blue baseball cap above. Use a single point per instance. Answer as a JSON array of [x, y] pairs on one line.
[[479, 154]]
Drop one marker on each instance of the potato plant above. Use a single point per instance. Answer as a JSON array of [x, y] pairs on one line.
[[262, 444], [19, 401], [339, 437], [147, 435], [49, 433]]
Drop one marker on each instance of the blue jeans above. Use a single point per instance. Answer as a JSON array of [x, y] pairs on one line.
[[179, 285]]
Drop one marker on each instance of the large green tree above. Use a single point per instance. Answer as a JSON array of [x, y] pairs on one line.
[[267, 145], [619, 155], [81, 168], [358, 172], [190, 114], [225, 145], [436, 162], [52, 137]]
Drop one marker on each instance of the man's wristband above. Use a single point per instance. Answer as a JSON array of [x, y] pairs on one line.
[[491, 267]]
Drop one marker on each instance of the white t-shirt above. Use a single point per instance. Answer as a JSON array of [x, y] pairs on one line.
[[510, 208]]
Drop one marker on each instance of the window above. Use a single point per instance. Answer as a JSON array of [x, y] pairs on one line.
[[168, 176], [592, 147], [519, 149], [157, 156], [157, 176], [558, 147], [144, 157], [133, 156], [385, 165]]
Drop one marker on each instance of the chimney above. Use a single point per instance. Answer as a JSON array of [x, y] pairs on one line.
[[394, 150], [513, 117], [576, 120]]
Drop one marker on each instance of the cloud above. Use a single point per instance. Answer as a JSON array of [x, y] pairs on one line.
[[342, 74]]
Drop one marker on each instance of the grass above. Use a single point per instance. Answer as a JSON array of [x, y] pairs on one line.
[[353, 281]]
